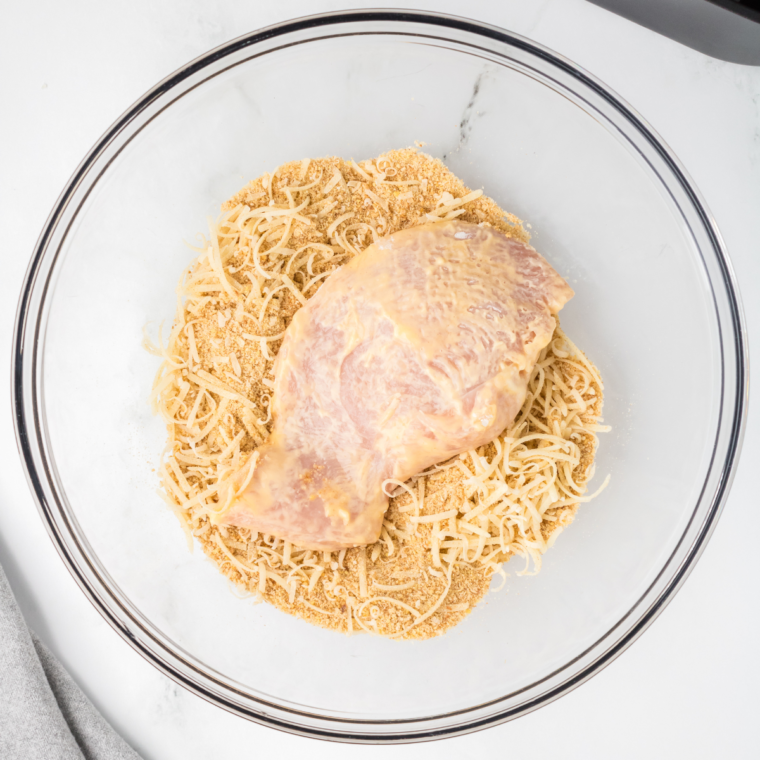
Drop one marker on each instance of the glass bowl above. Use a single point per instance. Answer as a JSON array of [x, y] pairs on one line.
[[656, 308]]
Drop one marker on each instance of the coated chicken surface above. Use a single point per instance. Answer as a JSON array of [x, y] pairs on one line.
[[418, 349]]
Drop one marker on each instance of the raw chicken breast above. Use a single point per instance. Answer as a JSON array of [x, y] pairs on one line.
[[418, 349]]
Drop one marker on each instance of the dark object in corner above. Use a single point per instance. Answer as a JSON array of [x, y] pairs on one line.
[[724, 29]]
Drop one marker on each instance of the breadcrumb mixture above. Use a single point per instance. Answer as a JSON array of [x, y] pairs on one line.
[[275, 243]]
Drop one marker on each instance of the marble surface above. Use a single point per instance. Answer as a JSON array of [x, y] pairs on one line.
[[686, 687]]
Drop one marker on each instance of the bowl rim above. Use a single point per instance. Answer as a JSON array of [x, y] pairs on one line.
[[30, 440]]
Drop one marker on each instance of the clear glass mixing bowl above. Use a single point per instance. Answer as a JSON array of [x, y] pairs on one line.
[[656, 309]]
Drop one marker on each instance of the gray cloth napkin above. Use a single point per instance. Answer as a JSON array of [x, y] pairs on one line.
[[43, 714]]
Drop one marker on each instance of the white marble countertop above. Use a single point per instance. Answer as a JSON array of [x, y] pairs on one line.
[[685, 689]]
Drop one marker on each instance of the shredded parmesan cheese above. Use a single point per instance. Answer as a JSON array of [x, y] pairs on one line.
[[448, 530]]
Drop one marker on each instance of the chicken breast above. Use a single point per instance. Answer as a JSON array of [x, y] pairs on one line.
[[418, 349]]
